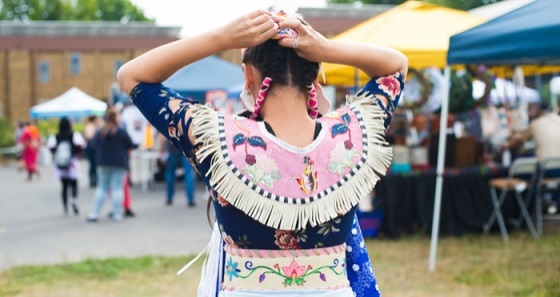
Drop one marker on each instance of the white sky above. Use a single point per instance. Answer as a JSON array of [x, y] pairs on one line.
[[196, 16]]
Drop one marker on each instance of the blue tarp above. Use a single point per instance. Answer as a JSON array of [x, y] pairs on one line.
[[529, 35], [208, 74]]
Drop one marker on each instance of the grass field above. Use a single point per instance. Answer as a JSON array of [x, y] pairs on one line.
[[471, 265]]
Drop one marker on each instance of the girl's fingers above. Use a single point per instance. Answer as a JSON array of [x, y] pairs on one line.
[[265, 26], [287, 42], [291, 23], [257, 13], [271, 32], [259, 20]]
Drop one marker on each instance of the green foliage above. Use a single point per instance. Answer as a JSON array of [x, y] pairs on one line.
[[83, 10], [458, 4], [6, 133], [460, 95], [50, 127]]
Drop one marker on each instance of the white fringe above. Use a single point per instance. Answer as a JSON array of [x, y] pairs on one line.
[[211, 267], [285, 216]]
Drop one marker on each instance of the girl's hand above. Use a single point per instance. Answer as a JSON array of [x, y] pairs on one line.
[[250, 30], [309, 45]]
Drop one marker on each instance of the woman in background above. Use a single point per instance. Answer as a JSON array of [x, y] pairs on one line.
[[66, 146], [112, 144], [31, 141]]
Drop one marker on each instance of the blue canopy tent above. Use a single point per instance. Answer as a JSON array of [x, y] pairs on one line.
[[526, 36], [529, 35], [208, 74]]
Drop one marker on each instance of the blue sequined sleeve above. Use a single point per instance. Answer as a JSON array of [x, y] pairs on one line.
[[153, 101], [360, 271], [390, 86]]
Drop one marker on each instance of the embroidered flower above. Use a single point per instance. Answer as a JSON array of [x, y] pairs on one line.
[[229, 241], [342, 159], [263, 171], [222, 201], [286, 240], [390, 85], [308, 182], [250, 159], [232, 270], [294, 274]]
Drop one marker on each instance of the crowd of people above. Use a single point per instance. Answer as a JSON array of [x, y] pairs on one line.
[[106, 144]]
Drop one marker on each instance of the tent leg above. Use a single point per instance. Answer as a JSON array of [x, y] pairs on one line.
[[440, 169]]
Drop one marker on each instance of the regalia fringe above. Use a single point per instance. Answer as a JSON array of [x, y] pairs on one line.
[[285, 216]]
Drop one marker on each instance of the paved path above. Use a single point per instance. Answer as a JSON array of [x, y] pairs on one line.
[[33, 229]]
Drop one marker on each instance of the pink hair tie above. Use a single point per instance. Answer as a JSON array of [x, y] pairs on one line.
[[312, 101], [260, 98]]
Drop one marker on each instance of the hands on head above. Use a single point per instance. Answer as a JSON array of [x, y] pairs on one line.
[[258, 26]]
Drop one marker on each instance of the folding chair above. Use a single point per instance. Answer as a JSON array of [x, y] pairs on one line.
[[548, 166], [523, 167]]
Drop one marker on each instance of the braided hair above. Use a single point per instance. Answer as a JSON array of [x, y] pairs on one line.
[[282, 65]]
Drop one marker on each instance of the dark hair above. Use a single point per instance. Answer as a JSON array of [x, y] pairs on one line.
[[65, 128], [282, 64], [111, 122]]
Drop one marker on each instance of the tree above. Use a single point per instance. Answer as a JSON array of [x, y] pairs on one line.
[[458, 4], [83, 10]]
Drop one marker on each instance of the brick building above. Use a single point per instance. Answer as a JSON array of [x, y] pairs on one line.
[[41, 60]]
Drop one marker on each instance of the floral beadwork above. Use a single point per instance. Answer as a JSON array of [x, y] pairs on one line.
[[390, 85], [308, 182], [261, 168], [289, 240], [241, 242], [293, 274], [343, 154], [231, 269]]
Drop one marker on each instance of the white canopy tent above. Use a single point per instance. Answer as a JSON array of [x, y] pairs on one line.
[[72, 104]]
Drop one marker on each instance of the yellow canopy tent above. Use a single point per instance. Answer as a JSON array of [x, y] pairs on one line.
[[420, 30]]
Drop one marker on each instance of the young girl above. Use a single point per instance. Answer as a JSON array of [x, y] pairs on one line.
[[285, 177], [65, 146]]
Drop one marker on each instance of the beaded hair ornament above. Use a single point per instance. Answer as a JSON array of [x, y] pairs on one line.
[[313, 102]]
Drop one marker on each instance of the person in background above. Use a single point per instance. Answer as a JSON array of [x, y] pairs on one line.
[[89, 131], [112, 145], [133, 123], [66, 146], [31, 141], [543, 131], [17, 136], [171, 157]]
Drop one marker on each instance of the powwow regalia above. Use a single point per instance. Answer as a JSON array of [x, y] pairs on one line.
[[285, 216]]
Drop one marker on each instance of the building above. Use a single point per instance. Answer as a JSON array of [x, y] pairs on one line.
[[41, 60]]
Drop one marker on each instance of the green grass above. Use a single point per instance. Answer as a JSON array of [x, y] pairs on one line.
[[472, 265]]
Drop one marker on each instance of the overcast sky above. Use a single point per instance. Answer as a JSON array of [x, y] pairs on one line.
[[197, 16]]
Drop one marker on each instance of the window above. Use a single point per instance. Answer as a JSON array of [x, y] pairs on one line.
[[44, 72], [75, 64], [118, 65]]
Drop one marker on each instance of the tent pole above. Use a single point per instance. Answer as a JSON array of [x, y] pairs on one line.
[[440, 168], [357, 82]]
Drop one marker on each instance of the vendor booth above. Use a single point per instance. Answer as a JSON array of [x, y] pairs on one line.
[[73, 104], [498, 42], [419, 30]]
